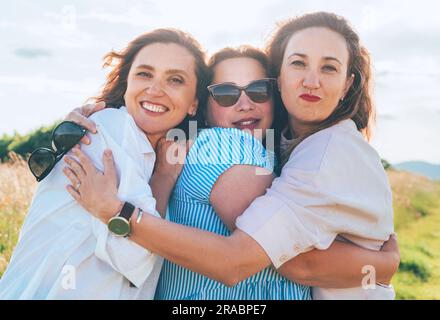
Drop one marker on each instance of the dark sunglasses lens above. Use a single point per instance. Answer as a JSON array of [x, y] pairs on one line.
[[260, 91], [41, 161], [66, 135], [226, 95]]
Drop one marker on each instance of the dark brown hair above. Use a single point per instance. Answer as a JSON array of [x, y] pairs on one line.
[[244, 51], [357, 104], [121, 61]]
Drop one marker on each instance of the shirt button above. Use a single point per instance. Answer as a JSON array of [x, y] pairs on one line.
[[284, 258]]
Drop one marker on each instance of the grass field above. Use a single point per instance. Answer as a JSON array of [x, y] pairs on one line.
[[417, 221], [17, 186]]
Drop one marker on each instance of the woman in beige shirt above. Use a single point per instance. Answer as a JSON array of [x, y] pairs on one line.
[[333, 184]]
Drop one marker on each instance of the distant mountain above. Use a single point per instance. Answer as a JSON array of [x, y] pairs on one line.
[[424, 168]]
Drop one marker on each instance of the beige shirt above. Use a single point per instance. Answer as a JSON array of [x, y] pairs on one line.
[[333, 184]]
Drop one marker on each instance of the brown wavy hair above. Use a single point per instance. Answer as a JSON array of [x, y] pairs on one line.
[[358, 103], [113, 91]]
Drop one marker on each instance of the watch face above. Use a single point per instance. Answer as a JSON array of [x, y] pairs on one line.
[[119, 226]]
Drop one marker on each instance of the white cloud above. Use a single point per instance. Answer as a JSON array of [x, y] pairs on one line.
[[43, 84]]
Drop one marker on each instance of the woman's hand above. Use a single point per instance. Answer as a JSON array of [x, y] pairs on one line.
[[391, 247], [170, 157], [80, 115], [95, 191]]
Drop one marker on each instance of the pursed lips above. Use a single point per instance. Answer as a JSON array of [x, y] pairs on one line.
[[310, 97]]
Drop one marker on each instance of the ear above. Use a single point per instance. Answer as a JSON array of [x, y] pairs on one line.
[[348, 84], [193, 109]]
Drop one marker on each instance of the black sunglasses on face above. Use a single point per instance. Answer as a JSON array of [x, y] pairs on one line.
[[66, 135], [227, 94]]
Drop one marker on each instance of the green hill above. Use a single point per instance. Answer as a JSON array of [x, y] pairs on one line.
[[419, 167], [417, 223]]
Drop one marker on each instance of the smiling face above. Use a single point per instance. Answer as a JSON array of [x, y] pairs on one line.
[[313, 76], [161, 88], [245, 114]]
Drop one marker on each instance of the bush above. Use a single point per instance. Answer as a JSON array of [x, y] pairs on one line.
[[386, 165], [417, 268], [5, 141], [25, 144]]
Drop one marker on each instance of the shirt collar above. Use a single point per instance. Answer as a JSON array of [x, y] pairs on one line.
[[348, 123], [145, 147]]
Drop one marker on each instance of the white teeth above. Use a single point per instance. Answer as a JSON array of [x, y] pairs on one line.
[[246, 123], [153, 107]]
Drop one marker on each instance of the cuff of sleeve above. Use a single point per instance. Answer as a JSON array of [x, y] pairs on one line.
[[281, 234], [139, 274], [132, 261]]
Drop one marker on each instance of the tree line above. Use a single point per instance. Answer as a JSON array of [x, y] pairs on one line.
[[23, 145]]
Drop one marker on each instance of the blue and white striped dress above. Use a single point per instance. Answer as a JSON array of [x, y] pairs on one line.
[[215, 151]]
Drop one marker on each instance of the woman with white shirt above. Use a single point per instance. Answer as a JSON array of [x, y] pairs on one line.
[[332, 185], [65, 253]]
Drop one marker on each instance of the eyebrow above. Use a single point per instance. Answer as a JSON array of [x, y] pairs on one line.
[[302, 55], [169, 71]]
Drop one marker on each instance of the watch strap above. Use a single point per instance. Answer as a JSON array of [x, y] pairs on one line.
[[127, 211]]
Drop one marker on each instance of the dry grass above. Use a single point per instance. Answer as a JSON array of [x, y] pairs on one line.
[[404, 183], [17, 186]]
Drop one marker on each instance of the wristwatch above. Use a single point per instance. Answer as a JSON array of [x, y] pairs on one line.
[[120, 225]]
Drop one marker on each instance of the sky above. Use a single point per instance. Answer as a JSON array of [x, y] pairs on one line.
[[51, 57]]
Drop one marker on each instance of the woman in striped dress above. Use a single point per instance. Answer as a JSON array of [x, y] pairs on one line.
[[216, 150], [200, 200]]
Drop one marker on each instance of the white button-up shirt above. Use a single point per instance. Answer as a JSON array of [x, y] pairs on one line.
[[333, 185], [64, 252]]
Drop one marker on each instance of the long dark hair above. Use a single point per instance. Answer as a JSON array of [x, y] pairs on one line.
[[113, 91], [357, 104]]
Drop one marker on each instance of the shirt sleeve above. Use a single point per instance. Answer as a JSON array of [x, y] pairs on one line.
[[134, 262], [327, 188], [215, 151]]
